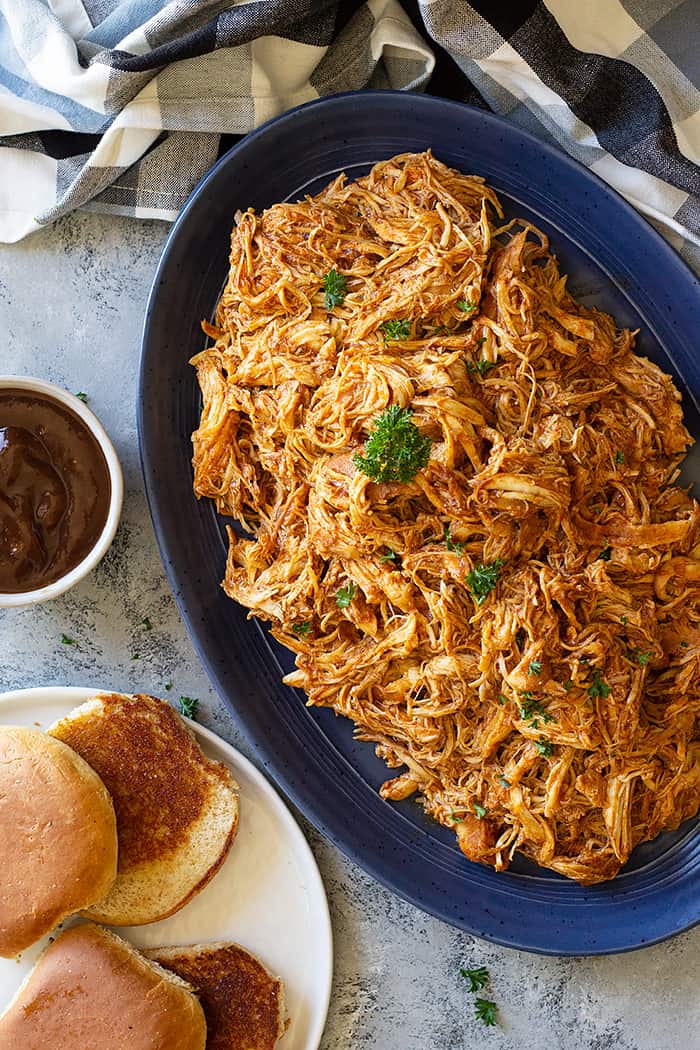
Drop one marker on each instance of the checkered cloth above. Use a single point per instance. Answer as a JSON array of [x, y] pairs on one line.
[[122, 105]]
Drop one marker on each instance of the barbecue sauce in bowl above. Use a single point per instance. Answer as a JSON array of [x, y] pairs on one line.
[[55, 490]]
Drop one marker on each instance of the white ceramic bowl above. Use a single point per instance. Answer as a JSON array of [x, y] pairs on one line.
[[64, 583]]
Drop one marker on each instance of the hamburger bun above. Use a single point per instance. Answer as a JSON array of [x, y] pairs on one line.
[[177, 810], [90, 990], [243, 1002], [58, 839]]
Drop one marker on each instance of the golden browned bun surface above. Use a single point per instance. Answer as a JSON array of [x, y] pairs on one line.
[[242, 1001], [58, 840], [177, 810], [92, 991]]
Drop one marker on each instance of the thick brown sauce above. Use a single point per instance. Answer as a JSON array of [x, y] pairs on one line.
[[54, 491]]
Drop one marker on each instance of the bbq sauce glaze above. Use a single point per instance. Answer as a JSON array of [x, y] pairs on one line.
[[54, 490]]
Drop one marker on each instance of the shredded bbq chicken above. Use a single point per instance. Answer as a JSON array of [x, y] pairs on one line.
[[555, 710]]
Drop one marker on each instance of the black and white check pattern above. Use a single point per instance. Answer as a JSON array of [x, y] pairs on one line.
[[122, 105], [616, 83]]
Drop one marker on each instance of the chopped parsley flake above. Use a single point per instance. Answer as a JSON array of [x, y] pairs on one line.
[[188, 706], [65, 640], [503, 782], [82, 396], [482, 366], [146, 623], [453, 545], [389, 556], [466, 306], [532, 711], [478, 977], [642, 658], [168, 686], [599, 688], [604, 554], [479, 810], [396, 330], [344, 595], [335, 286], [535, 667], [483, 578], [301, 630], [619, 456], [485, 1011], [545, 747]]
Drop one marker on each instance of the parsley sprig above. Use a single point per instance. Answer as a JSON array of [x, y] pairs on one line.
[[483, 578], [599, 687], [481, 366], [335, 286], [344, 595], [485, 1011], [188, 706], [395, 449], [396, 330], [478, 977]]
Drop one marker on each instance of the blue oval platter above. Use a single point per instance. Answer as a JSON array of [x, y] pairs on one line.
[[617, 262]]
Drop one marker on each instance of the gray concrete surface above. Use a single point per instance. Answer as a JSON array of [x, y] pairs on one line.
[[71, 305]]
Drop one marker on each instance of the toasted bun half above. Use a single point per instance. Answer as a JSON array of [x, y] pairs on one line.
[[90, 990], [177, 810], [243, 1002], [58, 838]]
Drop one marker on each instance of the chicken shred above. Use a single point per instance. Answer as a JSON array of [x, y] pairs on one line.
[[561, 716]]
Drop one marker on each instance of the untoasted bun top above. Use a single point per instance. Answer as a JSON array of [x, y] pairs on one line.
[[177, 810], [92, 991], [243, 1003], [58, 840]]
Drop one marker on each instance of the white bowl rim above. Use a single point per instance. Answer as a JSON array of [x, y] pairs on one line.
[[104, 540]]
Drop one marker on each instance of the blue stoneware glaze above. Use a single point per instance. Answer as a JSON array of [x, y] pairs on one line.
[[617, 262]]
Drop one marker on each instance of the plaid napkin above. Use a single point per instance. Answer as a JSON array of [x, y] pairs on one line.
[[122, 105]]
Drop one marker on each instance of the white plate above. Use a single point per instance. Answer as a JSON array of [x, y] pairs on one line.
[[268, 895]]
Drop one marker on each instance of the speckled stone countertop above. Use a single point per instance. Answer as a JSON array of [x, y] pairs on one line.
[[72, 300]]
